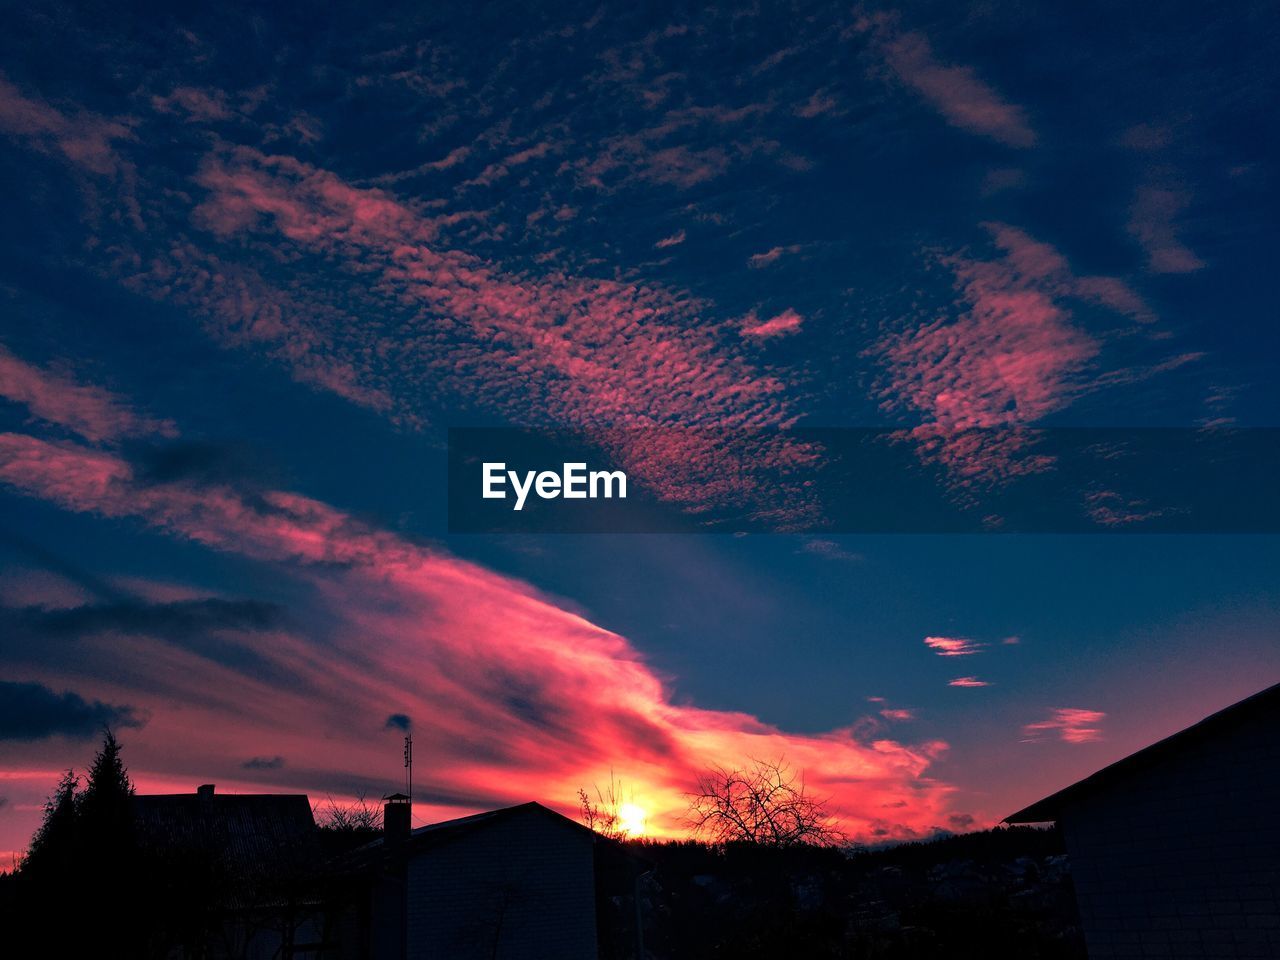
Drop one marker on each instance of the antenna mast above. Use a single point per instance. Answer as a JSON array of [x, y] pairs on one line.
[[408, 765]]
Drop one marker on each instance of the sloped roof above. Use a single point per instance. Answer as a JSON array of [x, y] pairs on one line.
[[1264, 705], [436, 833], [611, 856], [246, 828]]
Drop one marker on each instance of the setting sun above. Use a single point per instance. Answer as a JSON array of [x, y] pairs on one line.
[[631, 819]]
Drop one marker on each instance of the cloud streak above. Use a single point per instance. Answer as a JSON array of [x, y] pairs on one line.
[[32, 711], [954, 646], [92, 412], [1068, 724], [963, 99]]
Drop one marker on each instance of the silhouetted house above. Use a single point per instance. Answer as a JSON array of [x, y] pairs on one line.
[[1175, 850], [243, 871], [521, 883]]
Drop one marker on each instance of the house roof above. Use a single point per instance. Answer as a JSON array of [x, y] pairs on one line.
[[437, 833], [245, 828], [1260, 706], [611, 855]]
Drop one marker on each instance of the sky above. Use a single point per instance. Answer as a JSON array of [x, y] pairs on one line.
[[256, 262]]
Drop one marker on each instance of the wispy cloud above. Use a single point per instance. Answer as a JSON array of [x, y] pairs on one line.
[[779, 325], [1069, 724], [586, 354], [56, 397], [830, 549], [1013, 354], [968, 682], [85, 139], [955, 91], [1153, 222], [674, 240], [771, 256], [954, 646]]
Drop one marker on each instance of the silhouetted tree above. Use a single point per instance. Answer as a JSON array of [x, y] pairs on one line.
[[106, 818], [604, 814], [81, 877], [108, 788], [766, 804], [53, 846]]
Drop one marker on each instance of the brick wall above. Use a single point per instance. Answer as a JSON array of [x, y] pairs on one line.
[[1183, 859], [521, 889]]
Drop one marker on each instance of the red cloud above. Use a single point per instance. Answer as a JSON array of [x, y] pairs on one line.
[[514, 697], [967, 682], [1071, 724]]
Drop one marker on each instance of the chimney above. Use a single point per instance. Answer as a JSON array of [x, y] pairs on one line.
[[204, 799], [396, 819]]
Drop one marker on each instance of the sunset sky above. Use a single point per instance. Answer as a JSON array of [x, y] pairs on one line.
[[257, 262]]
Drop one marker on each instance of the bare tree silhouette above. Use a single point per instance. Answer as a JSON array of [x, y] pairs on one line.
[[604, 813], [766, 803], [359, 817]]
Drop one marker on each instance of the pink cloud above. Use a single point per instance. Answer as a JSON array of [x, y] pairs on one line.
[[604, 357], [1111, 509], [675, 239], [953, 646], [40, 588], [516, 696], [1153, 222], [199, 105], [779, 325], [772, 255], [968, 682], [817, 105], [894, 713], [87, 140], [1012, 355], [90, 411], [690, 145], [1069, 724], [956, 92], [497, 171], [1010, 358]]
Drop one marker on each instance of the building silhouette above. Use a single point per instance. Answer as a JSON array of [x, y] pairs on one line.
[[255, 878], [520, 883], [1175, 850]]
